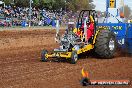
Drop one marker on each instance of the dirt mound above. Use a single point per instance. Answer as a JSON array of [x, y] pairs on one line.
[[20, 65]]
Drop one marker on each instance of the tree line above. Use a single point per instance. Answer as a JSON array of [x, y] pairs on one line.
[[73, 5]]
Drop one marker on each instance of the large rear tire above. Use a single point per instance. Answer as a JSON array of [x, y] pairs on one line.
[[105, 45]]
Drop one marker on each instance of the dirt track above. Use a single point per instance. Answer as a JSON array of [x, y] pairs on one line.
[[20, 65]]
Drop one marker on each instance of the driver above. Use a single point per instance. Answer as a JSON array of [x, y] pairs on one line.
[[90, 28]]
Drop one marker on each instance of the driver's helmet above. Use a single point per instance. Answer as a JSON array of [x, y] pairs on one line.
[[71, 24], [89, 19]]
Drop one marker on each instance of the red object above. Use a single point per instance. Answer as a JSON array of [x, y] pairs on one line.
[[79, 33], [90, 30]]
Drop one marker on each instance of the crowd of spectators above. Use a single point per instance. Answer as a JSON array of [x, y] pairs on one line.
[[19, 16]]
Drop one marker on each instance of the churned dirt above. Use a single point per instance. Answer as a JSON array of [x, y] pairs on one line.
[[20, 65]]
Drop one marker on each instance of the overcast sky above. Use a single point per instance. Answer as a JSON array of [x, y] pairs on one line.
[[101, 4]]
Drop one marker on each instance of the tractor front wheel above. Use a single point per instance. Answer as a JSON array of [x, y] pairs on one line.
[[105, 45], [43, 57], [74, 57]]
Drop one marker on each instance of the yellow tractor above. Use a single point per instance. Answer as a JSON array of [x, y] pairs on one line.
[[76, 42]]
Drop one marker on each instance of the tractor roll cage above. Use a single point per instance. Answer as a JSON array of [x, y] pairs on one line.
[[93, 13]]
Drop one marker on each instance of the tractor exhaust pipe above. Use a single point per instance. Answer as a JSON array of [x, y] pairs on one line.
[[57, 27], [85, 29]]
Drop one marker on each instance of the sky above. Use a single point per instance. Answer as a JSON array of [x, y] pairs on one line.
[[101, 4]]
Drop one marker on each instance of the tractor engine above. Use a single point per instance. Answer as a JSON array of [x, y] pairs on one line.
[[69, 40]]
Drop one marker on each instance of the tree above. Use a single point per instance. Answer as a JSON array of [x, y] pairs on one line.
[[7, 2], [73, 5], [36, 3], [22, 3], [91, 5], [130, 18], [76, 5], [44, 3], [127, 11], [58, 4]]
